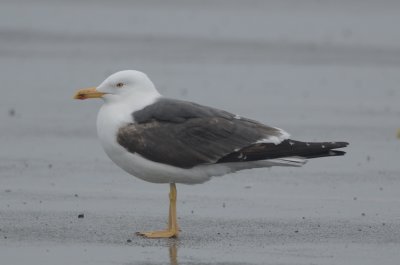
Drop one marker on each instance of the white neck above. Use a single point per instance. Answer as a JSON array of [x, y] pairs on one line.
[[116, 113]]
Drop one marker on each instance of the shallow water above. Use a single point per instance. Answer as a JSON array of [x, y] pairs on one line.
[[321, 70]]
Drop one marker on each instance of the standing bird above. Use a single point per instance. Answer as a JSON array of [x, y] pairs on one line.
[[163, 140]]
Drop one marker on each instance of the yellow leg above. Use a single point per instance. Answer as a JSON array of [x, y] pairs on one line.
[[172, 230]]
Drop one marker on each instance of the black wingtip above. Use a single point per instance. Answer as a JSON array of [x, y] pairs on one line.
[[327, 154], [286, 148], [325, 149], [341, 144], [337, 153]]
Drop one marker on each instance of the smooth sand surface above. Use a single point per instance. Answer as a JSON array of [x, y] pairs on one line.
[[322, 70]]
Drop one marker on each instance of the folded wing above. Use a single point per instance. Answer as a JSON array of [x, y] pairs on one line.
[[185, 134]]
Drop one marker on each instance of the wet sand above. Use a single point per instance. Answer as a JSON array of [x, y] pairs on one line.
[[321, 70]]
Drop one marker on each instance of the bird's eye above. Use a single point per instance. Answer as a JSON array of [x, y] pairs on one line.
[[120, 84]]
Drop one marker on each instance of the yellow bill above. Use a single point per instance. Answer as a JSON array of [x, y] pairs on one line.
[[86, 93]]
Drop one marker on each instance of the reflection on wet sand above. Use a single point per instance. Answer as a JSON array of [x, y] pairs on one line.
[[172, 245], [173, 252]]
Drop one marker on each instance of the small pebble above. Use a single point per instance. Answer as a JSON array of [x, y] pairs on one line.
[[355, 198], [296, 231], [81, 215], [223, 205], [76, 195], [362, 214], [50, 166], [303, 218], [129, 241], [11, 112], [7, 190]]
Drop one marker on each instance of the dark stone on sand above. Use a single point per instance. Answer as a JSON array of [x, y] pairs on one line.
[[11, 112]]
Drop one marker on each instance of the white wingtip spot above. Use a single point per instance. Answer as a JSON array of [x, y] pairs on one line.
[[237, 117], [276, 139]]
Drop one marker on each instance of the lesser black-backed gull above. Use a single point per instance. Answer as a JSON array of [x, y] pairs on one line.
[[165, 140]]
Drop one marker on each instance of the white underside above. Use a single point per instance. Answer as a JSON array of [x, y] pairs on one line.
[[155, 172], [113, 116]]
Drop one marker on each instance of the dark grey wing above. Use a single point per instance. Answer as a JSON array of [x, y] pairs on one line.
[[186, 134]]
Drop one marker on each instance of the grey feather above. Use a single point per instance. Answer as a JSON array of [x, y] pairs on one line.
[[177, 111]]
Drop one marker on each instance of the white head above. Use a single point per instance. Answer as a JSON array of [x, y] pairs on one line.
[[124, 85]]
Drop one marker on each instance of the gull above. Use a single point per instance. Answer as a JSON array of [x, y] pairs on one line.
[[164, 140]]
